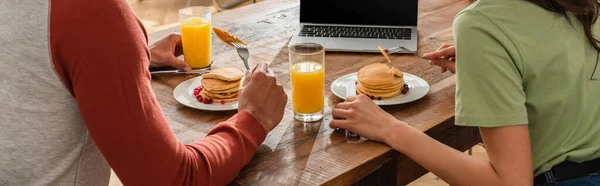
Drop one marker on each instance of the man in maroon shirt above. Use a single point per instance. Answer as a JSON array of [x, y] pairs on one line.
[[76, 97]]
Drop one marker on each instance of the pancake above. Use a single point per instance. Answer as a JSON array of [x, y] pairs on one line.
[[366, 89], [360, 90], [397, 72], [225, 74], [392, 89], [222, 84], [396, 80], [218, 85], [385, 54], [387, 87], [227, 37], [376, 74], [234, 89], [217, 100], [219, 95], [379, 80]]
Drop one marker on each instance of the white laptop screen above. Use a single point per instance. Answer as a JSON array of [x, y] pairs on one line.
[[360, 12]]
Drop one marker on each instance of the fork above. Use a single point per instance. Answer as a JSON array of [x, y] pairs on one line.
[[413, 52], [401, 48], [242, 50]]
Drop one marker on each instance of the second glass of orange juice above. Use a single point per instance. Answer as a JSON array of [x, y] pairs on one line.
[[307, 72], [196, 36]]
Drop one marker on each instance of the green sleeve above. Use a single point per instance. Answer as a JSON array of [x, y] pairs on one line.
[[489, 91]]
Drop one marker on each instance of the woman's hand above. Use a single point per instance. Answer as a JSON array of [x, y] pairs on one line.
[[165, 51], [359, 114], [444, 57]]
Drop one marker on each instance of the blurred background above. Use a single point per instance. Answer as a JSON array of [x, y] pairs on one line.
[[160, 14]]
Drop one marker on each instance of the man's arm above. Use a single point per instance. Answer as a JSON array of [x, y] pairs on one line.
[[99, 50]]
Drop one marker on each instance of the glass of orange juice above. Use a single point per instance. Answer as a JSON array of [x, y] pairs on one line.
[[196, 36], [307, 72]]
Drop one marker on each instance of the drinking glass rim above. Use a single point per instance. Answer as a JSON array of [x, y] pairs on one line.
[[205, 8], [306, 54]]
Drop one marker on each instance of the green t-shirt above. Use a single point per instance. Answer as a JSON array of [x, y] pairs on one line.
[[518, 64]]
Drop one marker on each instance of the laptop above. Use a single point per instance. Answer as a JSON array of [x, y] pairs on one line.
[[358, 25]]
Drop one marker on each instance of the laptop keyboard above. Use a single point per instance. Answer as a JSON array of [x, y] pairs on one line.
[[356, 32]]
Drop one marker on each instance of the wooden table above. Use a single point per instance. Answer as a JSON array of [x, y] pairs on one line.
[[296, 153]]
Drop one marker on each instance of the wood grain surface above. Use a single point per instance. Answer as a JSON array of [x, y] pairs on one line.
[[296, 153]]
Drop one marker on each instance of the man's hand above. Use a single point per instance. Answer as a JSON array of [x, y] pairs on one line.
[[262, 97], [444, 57], [165, 51]]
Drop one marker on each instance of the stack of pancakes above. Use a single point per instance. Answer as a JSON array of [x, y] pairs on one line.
[[380, 81], [222, 84]]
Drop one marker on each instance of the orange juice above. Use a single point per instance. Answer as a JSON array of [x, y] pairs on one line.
[[308, 87], [195, 38]]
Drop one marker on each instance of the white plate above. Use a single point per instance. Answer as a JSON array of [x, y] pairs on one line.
[[184, 94], [418, 89]]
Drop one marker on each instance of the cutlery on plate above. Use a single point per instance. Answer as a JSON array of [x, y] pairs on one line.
[[235, 42], [387, 52], [195, 72], [351, 91], [243, 52]]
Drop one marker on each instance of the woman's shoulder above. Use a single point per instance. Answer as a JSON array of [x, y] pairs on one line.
[[504, 13]]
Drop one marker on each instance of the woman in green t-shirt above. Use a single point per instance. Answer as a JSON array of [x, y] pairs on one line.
[[526, 76]]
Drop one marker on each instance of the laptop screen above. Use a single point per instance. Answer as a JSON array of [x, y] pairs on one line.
[[360, 12]]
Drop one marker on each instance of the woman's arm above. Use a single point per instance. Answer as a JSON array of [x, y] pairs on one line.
[[508, 150], [508, 147]]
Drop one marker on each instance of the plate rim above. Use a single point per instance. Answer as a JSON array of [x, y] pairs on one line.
[[377, 101], [180, 86]]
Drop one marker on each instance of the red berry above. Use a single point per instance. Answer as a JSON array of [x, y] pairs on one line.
[[404, 90], [222, 102], [210, 101], [372, 97], [205, 101], [200, 99], [196, 92], [356, 83], [386, 51], [378, 98]]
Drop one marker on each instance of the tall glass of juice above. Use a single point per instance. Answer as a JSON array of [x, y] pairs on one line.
[[307, 72], [196, 36]]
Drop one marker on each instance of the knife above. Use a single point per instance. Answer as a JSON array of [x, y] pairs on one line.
[[351, 91]]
